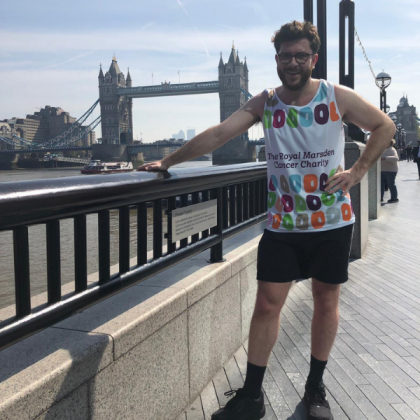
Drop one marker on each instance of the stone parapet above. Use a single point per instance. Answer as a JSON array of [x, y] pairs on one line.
[[374, 177], [145, 353], [359, 200]]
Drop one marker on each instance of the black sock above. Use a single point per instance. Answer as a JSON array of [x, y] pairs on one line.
[[254, 379], [316, 372]]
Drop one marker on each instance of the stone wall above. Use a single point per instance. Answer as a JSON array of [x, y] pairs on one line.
[[145, 353]]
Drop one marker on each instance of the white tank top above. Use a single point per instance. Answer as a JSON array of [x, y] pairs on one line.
[[304, 146]]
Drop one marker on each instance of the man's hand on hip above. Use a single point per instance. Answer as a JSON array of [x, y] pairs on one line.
[[342, 181]]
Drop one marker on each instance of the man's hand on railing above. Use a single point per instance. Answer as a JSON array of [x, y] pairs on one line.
[[153, 166]]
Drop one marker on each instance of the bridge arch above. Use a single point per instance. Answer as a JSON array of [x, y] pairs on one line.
[[116, 94]]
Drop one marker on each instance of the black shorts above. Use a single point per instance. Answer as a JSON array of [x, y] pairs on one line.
[[284, 257]]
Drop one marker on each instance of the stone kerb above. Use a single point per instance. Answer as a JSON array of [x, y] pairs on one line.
[[359, 199], [145, 353]]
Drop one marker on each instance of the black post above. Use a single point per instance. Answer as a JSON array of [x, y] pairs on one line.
[[347, 10], [321, 23], [104, 246], [216, 251], [80, 253], [22, 273], [320, 71], [308, 10], [384, 101], [53, 261]]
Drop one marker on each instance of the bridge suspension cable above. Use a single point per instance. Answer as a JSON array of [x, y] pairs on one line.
[[246, 94], [75, 125], [86, 131]]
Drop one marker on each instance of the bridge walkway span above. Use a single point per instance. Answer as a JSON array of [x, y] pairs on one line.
[[374, 368]]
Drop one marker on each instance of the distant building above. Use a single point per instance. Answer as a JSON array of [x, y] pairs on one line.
[[190, 133], [5, 129], [44, 125], [407, 116], [179, 136], [116, 110]]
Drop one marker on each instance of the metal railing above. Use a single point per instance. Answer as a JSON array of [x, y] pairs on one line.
[[240, 191]]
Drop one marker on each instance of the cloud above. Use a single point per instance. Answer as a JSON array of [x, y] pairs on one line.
[[194, 26], [85, 54]]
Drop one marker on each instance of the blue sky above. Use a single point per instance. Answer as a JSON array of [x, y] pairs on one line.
[[50, 52]]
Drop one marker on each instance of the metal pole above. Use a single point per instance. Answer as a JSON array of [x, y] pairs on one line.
[[320, 71], [308, 10], [384, 105], [347, 10], [321, 20]]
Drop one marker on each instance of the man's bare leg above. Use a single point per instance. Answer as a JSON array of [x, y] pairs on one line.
[[324, 331], [265, 321], [325, 319]]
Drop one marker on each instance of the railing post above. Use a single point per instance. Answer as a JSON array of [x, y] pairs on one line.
[[157, 229], [216, 251], [142, 233], [184, 203], [104, 237], [22, 279], [124, 240], [53, 261], [80, 253], [171, 246]]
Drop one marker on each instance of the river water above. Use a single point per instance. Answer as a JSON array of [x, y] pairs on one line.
[[37, 238]]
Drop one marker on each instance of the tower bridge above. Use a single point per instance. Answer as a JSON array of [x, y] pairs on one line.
[[116, 94]]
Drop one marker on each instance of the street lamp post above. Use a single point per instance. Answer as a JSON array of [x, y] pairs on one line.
[[383, 80], [404, 136]]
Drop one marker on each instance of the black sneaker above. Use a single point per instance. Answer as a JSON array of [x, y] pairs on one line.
[[317, 406], [393, 200], [241, 407]]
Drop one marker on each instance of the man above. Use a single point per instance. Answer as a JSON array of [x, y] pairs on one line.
[[416, 155], [310, 220]]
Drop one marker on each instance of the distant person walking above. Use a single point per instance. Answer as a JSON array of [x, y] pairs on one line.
[[389, 170], [409, 153], [416, 155]]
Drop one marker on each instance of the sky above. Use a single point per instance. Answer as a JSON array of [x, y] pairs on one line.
[[50, 53]]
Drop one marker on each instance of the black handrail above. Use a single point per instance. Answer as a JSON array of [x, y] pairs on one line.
[[239, 190]]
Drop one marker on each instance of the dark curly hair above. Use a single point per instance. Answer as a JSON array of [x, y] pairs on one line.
[[297, 30]]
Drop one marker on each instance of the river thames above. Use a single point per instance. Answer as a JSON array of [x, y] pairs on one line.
[[37, 238]]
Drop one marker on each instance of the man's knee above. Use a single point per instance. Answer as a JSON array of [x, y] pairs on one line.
[[326, 297], [270, 299]]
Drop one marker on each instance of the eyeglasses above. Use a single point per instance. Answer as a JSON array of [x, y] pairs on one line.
[[301, 58]]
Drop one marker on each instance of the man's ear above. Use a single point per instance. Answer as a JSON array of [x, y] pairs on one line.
[[314, 60], [277, 58]]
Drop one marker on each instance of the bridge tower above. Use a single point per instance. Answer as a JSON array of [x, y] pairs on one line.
[[233, 86], [116, 110]]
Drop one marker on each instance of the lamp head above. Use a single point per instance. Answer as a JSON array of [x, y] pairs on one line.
[[383, 80]]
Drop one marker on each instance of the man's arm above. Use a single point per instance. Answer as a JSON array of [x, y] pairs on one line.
[[356, 110], [214, 137]]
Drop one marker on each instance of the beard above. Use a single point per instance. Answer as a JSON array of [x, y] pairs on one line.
[[302, 80]]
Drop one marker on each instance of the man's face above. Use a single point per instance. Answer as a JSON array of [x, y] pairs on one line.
[[295, 75]]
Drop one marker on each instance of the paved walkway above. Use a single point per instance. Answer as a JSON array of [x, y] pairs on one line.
[[374, 369]]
